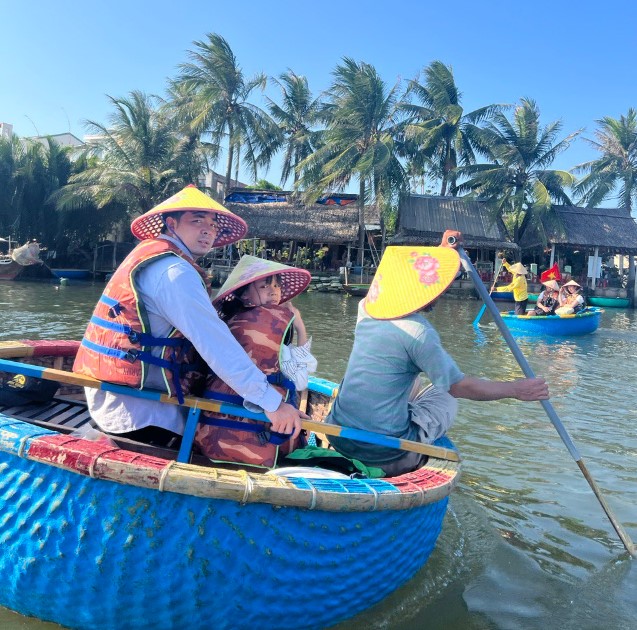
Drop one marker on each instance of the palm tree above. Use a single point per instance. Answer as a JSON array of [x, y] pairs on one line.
[[359, 142], [219, 105], [437, 127], [518, 183], [616, 140], [296, 116], [141, 159]]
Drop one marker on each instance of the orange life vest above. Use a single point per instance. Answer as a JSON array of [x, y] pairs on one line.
[[118, 341], [261, 332]]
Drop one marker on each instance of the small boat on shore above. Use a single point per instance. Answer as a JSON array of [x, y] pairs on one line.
[[23, 263], [356, 289], [587, 321], [72, 274], [100, 532]]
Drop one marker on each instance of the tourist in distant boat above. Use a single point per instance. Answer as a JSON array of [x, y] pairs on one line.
[[255, 303], [571, 301], [382, 390], [517, 285], [157, 298], [548, 300]]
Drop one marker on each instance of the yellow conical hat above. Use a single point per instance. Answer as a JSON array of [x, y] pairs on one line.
[[408, 278], [231, 227]]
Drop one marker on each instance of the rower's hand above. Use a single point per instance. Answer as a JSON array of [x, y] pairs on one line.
[[286, 419], [530, 389]]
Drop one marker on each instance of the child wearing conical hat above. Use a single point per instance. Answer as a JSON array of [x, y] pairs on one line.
[[255, 304], [394, 344], [517, 285]]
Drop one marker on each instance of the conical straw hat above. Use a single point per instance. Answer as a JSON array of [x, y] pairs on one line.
[[572, 283], [408, 278], [251, 268], [552, 284], [231, 227], [518, 268]]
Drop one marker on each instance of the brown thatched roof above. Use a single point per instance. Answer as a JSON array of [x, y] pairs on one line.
[[292, 220], [423, 219], [613, 230]]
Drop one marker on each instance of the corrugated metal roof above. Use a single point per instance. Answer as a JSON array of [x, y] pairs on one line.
[[423, 219], [610, 229]]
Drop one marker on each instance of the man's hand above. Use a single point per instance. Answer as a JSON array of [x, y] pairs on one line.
[[286, 419], [530, 389], [456, 237]]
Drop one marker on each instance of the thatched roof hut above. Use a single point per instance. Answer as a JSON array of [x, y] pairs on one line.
[[422, 219], [612, 230], [287, 218]]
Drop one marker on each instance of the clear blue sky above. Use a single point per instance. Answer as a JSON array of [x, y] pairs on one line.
[[578, 60]]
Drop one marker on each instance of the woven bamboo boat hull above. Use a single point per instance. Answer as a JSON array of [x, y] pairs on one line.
[[97, 536], [552, 325], [608, 302]]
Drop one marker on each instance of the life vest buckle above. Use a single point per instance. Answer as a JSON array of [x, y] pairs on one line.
[[131, 355], [114, 311], [133, 336]]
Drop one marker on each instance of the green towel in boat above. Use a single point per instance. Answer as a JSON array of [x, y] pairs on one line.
[[332, 460]]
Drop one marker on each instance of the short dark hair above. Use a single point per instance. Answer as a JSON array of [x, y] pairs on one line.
[[177, 214]]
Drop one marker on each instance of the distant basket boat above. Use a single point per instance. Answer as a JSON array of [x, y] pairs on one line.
[[118, 535], [72, 274], [566, 325], [608, 302]]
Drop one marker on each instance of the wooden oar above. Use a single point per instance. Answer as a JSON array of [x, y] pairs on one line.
[[204, 404], [548, 407], [483, 308]]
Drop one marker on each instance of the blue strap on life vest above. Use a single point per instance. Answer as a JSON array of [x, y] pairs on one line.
[[274, 379], [133, 355], [264, 435], [135, 336]]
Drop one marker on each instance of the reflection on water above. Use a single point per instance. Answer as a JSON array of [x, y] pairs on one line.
[[525, 541]]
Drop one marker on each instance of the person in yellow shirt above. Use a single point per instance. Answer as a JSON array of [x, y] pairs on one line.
[[517, 285]]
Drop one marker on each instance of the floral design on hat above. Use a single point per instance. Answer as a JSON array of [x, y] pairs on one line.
[[409, 278]]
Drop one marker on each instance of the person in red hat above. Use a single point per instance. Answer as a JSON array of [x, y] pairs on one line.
[[154, 323]]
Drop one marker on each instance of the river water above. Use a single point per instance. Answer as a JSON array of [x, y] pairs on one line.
[[525, 542]]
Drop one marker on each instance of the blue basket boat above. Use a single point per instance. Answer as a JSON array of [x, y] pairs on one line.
[[565, 325], [115, 535], [502, 296]]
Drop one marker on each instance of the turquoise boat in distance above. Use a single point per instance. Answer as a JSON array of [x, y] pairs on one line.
[[554, 325], [608, 302]]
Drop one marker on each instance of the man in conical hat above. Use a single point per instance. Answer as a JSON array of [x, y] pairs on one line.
[[394, 343], [155, 309], [517, 285]]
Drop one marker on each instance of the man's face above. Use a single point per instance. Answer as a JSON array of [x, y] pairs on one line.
[[197, 230]]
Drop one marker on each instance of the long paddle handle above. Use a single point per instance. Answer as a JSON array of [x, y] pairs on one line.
[[204, 404], [548, 407], [496, 275]]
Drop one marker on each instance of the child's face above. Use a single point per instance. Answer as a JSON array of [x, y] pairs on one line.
[[264, 292]]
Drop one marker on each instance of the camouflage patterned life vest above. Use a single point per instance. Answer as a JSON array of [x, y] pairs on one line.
[[118, 341], [261, 331]]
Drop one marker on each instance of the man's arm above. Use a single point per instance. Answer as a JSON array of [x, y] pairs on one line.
[[473, 388]]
